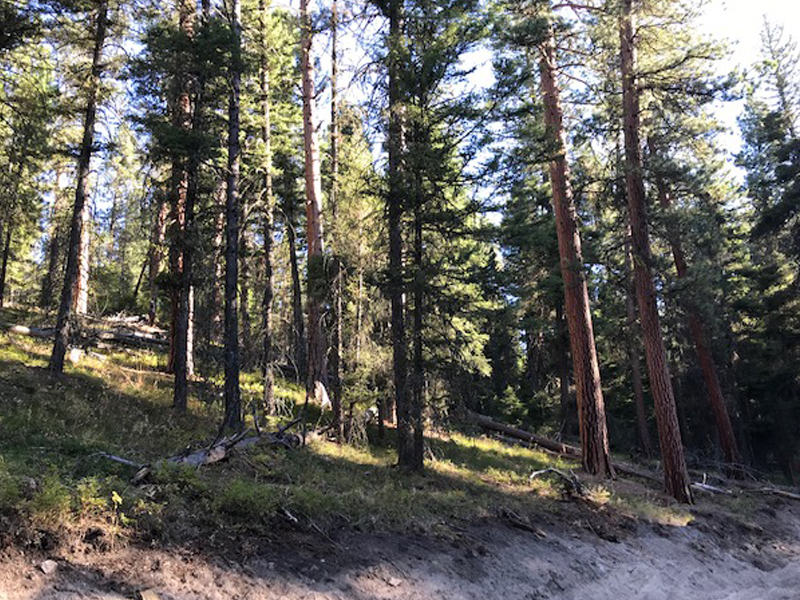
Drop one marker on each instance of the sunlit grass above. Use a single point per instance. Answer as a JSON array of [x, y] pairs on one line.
[[119, 402], [652, 508]]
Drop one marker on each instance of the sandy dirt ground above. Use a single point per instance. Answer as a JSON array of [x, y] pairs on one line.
[[713, 558]]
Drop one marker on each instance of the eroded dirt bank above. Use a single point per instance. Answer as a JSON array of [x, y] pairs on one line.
[[752, 557]]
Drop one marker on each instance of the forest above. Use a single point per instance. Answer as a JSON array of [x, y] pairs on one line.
[[389, 229]]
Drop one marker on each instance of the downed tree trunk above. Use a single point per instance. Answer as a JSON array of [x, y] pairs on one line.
[[521, 434], [92, 337], [39, 332], [136, 340], [781, 493]]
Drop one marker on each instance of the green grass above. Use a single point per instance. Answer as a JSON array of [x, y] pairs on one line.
[[51, 430]]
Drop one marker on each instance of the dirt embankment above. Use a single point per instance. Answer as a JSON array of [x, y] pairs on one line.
[[756, 557]]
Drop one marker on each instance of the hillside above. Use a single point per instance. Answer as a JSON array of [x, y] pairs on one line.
[[336, 521]]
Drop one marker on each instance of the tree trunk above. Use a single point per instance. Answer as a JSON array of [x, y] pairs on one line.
[[715, 396], [233, 407], [53, 255], [81, 192], [338, 283], [395, 200], [54, 245], [269, 217], [6, 254], [156, 255], [80, 294], [297, 304], [185, 195], [244, 287], [562, 369], [675, 475], [418, 367], [215, 300], [317, 371], [634, 357], [591, 407]]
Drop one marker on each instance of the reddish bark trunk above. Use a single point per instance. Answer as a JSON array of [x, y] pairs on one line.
[[185, 194], [317, 371], [591, 407], [716, 398], [676, 477]]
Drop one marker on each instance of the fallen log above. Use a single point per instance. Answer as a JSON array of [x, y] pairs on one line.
[[711, 489], [39, 332], [520, 434], [95, 338], [781, 493], [137, 340]]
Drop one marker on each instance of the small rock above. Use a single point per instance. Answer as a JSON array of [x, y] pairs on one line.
[[48, 566], [148, 595], [394, 581]]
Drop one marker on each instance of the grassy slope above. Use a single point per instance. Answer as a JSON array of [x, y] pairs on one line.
[[51, 480]]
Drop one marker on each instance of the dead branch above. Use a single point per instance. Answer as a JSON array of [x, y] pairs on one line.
[[119, 459], [222, 449], [38, 332], [89, 337], [572, 484], [523, 523]]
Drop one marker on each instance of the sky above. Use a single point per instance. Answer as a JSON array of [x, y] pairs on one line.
[[739, 22]]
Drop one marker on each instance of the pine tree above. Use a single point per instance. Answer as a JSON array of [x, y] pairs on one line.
[[317, 376], [591, 408], [63, 324], [233, 407], [675, 475]]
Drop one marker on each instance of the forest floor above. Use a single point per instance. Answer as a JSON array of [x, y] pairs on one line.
[[327, 521]]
